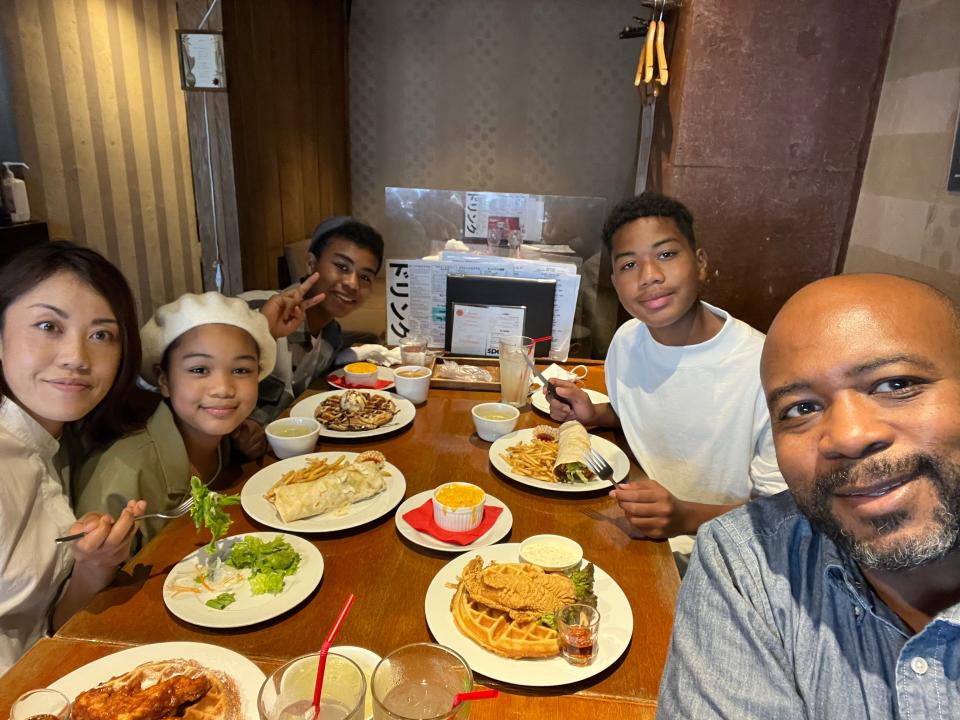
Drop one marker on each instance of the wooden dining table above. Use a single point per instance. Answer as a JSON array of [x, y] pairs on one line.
[[389, 576]]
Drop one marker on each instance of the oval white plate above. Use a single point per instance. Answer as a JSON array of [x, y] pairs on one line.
[[337, 377], [248, 609], [498, 530], [539, 400], [616, 627], [367, 660], [613, 455], [405, 415], [247, 676], [260, 509]]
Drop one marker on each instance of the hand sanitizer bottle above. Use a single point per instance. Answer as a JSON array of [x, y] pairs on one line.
[[15, 193]]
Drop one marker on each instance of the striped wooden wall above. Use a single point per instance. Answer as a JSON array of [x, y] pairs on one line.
[[101, 122]]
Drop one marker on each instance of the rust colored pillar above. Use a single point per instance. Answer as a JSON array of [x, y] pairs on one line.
[[764, 132]]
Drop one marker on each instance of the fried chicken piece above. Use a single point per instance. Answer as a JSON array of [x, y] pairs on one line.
[[153, 703], [525, 592]]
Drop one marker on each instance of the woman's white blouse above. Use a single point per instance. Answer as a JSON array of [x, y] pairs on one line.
[[34, 510]]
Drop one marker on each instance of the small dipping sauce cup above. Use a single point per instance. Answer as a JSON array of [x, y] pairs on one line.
[[288, 693], [44, 703], [578, 626], [419, 682]]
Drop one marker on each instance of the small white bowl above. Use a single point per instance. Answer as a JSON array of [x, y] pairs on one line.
[[292, 436], [551, 552], [359, 376], [489, 429], [458, 519]]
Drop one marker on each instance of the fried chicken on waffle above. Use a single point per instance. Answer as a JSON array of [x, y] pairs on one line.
[[355, 410], [161, 690], [500, 607]]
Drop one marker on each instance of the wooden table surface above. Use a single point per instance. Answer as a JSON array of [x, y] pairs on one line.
[[390, 575]]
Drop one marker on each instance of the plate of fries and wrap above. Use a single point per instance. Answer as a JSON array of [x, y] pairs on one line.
[[553, 458], [347, 414], [172, 679], [496, 612], [324, 491]]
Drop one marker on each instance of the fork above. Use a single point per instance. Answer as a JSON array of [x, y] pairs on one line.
[[601, 468], [180, 510]]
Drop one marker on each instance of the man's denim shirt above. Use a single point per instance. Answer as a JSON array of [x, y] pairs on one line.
[[775, 622]]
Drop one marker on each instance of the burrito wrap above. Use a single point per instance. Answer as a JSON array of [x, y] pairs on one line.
[[573, 444], [357, 481]]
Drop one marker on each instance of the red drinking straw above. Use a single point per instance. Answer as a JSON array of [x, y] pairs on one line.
[[543, 339], [473, 695], [324, 649]]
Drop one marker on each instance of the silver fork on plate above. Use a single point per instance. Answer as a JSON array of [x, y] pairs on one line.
[[601, 468], [181, 509]]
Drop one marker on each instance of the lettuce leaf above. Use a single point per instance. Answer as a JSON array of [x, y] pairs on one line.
[[207, 511]]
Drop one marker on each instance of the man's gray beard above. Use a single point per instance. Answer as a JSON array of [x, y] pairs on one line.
[[941, 536]]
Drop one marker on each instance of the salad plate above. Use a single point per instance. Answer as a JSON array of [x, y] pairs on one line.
[[200, 578]]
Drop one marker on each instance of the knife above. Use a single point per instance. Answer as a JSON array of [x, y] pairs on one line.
[[549, 389]]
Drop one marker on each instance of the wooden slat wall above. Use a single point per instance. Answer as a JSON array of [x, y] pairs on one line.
[[287, 83], [100, 119]]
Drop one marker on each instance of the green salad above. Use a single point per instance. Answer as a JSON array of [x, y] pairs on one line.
[[270, 562]]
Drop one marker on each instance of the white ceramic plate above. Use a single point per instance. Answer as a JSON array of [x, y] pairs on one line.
[[247, 676], [613, 455], [539, 400], [248, 609], [616, 628], [256, 505], [499, 528], [367, 660], [407, 412], [383, 373]]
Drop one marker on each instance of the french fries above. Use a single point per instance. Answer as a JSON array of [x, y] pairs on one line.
[[533, 459], [316, 468]]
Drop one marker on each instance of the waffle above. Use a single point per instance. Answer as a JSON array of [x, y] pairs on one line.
[[355, 410], [162, 689], [495, 631]]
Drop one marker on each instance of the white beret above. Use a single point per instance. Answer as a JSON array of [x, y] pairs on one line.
[[174, 319]]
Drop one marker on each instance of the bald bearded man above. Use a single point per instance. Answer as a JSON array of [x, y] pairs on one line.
[[841, 597]]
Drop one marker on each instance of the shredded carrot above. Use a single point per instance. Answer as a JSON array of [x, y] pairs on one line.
[[180, 589]]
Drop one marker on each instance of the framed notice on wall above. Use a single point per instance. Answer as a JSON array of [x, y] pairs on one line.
[[201, 60]]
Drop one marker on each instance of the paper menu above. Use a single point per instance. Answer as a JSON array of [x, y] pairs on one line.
[[477, 329], [417, 289], [484, 211]]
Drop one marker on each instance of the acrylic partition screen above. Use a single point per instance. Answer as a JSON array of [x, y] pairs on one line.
[[550, 228]]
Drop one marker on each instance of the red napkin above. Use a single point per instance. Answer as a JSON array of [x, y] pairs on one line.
[[422, 519], [341, 381]]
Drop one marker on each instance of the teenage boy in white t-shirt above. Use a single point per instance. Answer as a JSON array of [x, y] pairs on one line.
[[683, 379]]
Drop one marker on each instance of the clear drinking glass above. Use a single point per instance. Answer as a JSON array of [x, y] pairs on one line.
[[419, 682], [39, 703], [413, 349], [514, 371], [578, 627], [288, 693]]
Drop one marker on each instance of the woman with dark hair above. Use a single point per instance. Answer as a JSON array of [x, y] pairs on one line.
[[69, 357]]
